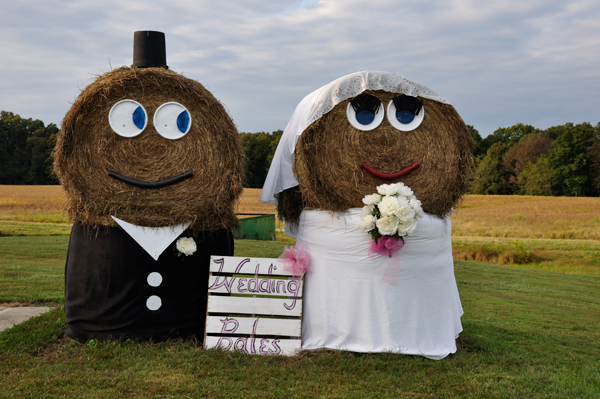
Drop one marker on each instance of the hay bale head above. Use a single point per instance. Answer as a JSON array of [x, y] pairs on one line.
[[204, 142], [330, 152]]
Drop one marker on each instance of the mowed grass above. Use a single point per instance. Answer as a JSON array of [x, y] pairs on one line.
[[560, 234], [527, 334]]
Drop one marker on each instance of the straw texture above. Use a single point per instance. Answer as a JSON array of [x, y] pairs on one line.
[[87, 149], [329, 154]]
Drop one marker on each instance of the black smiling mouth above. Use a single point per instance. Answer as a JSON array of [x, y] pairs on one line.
[[156, 184]]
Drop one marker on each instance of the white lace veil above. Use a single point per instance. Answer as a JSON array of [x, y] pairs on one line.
[[318, 103]]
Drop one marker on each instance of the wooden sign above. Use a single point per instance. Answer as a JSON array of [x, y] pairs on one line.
[[253, 306]]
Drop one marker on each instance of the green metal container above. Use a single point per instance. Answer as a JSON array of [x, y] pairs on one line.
[[256, 228]]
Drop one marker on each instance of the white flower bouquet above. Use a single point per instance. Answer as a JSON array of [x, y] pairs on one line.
[[389, 215]]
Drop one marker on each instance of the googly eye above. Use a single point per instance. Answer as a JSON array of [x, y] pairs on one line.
[[172, 120], [127, 118], [405, 117], [365, 112]]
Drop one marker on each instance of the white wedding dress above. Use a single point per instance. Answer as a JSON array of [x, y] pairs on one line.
[[347, 304]]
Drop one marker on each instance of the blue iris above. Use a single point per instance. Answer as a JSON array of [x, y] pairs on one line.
[[365, 117], [139, 118], [183, 121], [405, 117]]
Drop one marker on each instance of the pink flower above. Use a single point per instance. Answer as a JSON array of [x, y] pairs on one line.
[[296, 260], [386, 245]]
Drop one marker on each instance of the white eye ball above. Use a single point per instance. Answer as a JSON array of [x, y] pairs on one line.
[[364, 119], [128, 118], [172, 120], [404, 120]]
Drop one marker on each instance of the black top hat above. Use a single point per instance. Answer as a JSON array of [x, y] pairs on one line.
[[149, 49]]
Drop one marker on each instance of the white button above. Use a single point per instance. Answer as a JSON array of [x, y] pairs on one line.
[[154, 279], [153, 303]]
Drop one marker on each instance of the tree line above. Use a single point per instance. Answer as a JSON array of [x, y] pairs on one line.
[[521, 159], [25, 148]]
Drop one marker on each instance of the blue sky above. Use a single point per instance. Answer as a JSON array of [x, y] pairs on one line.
[[499, 63]]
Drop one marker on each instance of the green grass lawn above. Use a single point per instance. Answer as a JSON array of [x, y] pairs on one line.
[[527, 334]]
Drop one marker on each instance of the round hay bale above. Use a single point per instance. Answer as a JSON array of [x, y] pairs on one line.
[[329, 154], [87, 149]]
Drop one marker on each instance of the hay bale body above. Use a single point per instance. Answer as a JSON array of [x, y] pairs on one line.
[[106, 286], [87, 149], [329, 154]]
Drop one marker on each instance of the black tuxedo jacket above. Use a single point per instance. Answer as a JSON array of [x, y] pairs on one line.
[[106, 285]]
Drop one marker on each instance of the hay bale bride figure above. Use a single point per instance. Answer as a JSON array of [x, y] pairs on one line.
[[365, 176]]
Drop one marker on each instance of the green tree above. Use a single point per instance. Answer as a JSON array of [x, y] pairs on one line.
[[508, 135], [594, 152], [25, 148], [276, 137], [259, 150], [487, 173], [536, 177], [527, 151], [477, 148], [571, 162], [40, 145]]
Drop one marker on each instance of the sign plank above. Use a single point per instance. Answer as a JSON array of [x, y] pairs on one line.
[[241, 265], [256, 346], [261, 306], [253, 325], [254, 285]]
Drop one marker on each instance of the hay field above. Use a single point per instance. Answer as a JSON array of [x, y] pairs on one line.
[[41, 204], [40, 210], [573, 218], [560, 234], [249, 203], [498, 216]]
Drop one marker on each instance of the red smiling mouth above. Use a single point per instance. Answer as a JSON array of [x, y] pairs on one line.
[[389, 176]]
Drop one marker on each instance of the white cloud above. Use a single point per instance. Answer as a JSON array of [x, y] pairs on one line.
[[499, 62]]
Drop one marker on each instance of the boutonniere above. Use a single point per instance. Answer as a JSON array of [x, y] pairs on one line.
[[186, 246]]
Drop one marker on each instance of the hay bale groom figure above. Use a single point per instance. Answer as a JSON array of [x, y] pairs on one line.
[[152, 166]]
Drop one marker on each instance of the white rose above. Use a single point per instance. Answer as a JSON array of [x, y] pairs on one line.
[[387, 225], [404, 190], [186, 245], [387, 189], [367, 222], [405, 213], [388, 206], [407, 227], [416, 205], [372, 199], [367, 210]]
